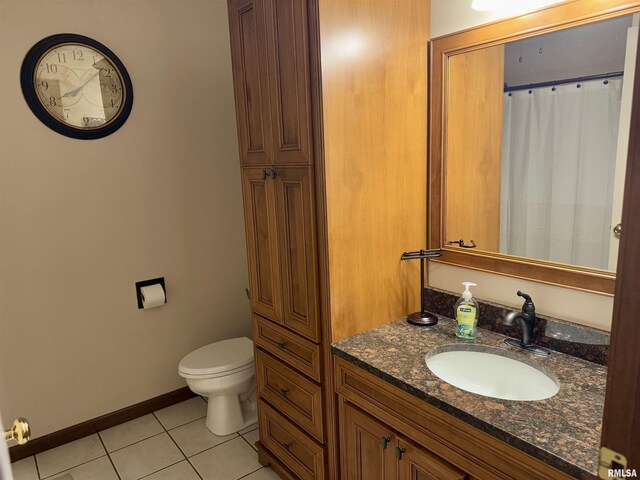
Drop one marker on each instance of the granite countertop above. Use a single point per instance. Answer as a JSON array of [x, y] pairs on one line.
[[563, 431]]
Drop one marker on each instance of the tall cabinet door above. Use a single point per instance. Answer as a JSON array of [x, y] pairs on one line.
[[369, 449], [251, 81], [415, 463], [262, 242], [288, 46], [295, 216]]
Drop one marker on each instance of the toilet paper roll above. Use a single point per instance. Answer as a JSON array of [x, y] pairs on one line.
[[152, 296]]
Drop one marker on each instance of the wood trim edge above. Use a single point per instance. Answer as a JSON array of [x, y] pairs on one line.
[[95, 425]]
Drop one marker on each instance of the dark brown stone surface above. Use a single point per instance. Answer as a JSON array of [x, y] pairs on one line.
[[563, 431]]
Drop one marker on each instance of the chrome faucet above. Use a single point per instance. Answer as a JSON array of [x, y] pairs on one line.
[[527, 321]]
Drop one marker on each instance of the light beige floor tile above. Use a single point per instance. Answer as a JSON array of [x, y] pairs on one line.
[[179, 471], [228, 461], [25, 469], [252, 437], [181, 413], [248, 429], [131, 432], [70, 455], [145, 457], [263, 474], [195, 437], [99, 469]]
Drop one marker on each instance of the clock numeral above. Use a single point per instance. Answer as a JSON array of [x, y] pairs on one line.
[[79, 55], [66, 112], [113, 103], [106, 72], [114, 88], [51, 67], [52, 102], [44, 84], [62, 58], [85, 120]]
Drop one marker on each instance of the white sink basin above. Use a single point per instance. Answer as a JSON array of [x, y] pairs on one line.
[[492, 375]]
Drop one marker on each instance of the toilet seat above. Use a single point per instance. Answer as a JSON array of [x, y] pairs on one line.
[[218, 359]]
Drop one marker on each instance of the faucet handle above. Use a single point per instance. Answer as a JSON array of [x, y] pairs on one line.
[[528, 305]]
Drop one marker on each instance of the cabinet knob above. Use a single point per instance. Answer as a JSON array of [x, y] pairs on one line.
[[281, 345], [284, 391], [274, 174], [399, 452], [384, 441], [266, 174], [287, 446]]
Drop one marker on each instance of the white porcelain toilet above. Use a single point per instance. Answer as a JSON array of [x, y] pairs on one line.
[[224, 373]]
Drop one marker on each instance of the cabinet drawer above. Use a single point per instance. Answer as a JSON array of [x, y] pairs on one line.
[[290, 445], [295, 396], [289, 347]]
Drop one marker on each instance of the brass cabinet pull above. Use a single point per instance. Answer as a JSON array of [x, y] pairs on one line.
[[282, 345], [266, 174], [19, 431], [384, 441], [284, 391], [399, 452], [287, 446]]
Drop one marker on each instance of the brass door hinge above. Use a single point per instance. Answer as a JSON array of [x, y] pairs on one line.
[[610, 460]]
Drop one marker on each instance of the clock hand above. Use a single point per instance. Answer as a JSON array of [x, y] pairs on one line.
[[75, 92]]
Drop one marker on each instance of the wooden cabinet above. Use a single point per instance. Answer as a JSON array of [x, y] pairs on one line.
[[270, 55], [368, 447], [251, 81], [428, 443], [332, 150], [262, 247], [373, 451], [279, 218]]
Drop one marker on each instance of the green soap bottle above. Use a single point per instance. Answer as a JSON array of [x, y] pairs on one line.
[[467, 311]]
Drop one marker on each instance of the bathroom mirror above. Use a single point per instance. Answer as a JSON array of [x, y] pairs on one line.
[[529, 137]]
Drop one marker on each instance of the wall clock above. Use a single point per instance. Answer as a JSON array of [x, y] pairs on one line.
[[76, 86]]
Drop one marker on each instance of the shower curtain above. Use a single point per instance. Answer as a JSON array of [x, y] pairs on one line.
[[558, 162]]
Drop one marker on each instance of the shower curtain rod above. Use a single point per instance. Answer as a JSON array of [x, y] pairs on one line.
[[601, 76]]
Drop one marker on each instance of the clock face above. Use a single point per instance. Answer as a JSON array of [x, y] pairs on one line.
[[76, 86], [79, 86]]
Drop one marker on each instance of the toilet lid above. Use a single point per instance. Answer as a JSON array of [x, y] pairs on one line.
[[218, 357]]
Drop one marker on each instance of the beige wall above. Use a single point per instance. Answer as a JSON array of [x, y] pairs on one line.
[[448, 16], [81, 221]]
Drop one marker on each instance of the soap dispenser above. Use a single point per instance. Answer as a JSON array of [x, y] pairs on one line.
[[467, 311]]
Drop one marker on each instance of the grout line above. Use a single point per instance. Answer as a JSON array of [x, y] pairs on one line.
[[75, 466], [163, 468], [187, 458], [250, 444], [179, 425], [134, 443], [35, 462], [109, 457], [250, 473]]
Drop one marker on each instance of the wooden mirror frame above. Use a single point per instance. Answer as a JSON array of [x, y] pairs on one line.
[[571, 13]]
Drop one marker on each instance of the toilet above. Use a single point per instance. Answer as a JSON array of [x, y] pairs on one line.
[[224, 373]]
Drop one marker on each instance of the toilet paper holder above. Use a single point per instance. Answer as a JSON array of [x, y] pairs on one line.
[[146, 283]]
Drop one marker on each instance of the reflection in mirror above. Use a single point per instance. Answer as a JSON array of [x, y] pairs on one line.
[[536, 144]]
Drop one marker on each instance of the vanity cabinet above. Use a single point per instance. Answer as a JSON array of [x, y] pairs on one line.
[[432, 443], [374, 451]]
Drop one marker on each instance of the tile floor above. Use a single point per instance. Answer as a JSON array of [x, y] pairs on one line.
[[170, 444]]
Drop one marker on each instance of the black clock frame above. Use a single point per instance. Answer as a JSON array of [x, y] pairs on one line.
[[29, 90]]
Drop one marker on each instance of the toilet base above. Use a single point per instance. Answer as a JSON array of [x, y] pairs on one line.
[[227, 415]]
